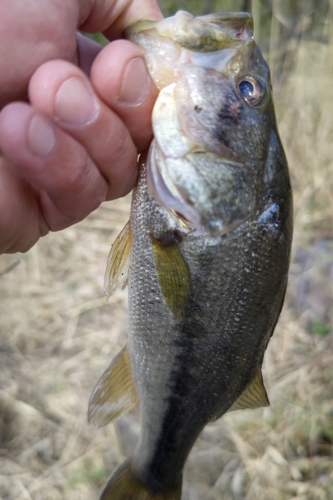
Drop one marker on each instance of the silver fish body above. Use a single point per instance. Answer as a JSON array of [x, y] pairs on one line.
[[211, 229]]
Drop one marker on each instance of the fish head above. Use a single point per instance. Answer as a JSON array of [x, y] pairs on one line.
[[212, 119]]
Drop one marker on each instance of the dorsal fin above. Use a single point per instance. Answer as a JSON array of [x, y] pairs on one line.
[[114, 393], [116, 273], [173, 276], [254, 396]]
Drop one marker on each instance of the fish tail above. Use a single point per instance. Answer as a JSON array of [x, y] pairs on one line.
[[124, 486]]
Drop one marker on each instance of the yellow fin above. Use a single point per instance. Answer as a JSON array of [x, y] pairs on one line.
[[124, 486], [116, 273], [254, 396], [173, 276], [114, 393]]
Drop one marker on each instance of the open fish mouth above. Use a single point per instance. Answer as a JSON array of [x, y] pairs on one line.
[[177, 163], [199, 164]]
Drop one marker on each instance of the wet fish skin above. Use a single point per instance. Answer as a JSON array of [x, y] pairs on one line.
[[203, 300]]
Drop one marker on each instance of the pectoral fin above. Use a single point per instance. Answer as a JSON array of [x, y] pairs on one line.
[[114, 393], [254, 396], [173, 276], [116, 273]]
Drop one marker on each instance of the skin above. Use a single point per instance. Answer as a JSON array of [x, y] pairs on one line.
[[59, 157]]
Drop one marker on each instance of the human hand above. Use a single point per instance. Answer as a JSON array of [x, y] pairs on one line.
[[75, 143]]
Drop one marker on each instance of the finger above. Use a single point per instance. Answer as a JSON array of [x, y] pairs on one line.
[[61, 91], [38, 31], [112, 18], [20, 221], [130, 92], [54, 163]]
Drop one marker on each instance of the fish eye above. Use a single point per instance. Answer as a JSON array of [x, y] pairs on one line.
[[251, 90]]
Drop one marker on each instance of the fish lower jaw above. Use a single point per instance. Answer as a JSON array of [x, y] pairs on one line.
[[170, 199], [188, 217], [186, 213]]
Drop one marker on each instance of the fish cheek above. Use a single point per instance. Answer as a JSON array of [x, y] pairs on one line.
[[211, 94], [220, 107], [243, 129], [223, 116], [228, 119]]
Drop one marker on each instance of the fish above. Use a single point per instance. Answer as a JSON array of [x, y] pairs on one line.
[[205, 253]]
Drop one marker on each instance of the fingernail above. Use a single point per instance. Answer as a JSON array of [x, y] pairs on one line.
[[136, 83], [75, 104], [41, 138]]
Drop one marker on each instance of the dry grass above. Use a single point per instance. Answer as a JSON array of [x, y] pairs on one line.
[[57, 335]]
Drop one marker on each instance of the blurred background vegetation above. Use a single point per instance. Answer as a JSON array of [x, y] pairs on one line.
[[57, 334]]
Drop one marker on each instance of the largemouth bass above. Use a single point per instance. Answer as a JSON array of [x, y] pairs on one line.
[[206, 251]]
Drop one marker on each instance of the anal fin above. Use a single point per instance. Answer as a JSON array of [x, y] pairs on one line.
[[114, 393], [116, 273], [254, 396]]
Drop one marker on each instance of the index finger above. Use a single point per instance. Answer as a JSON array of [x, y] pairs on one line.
[[112, 18]]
